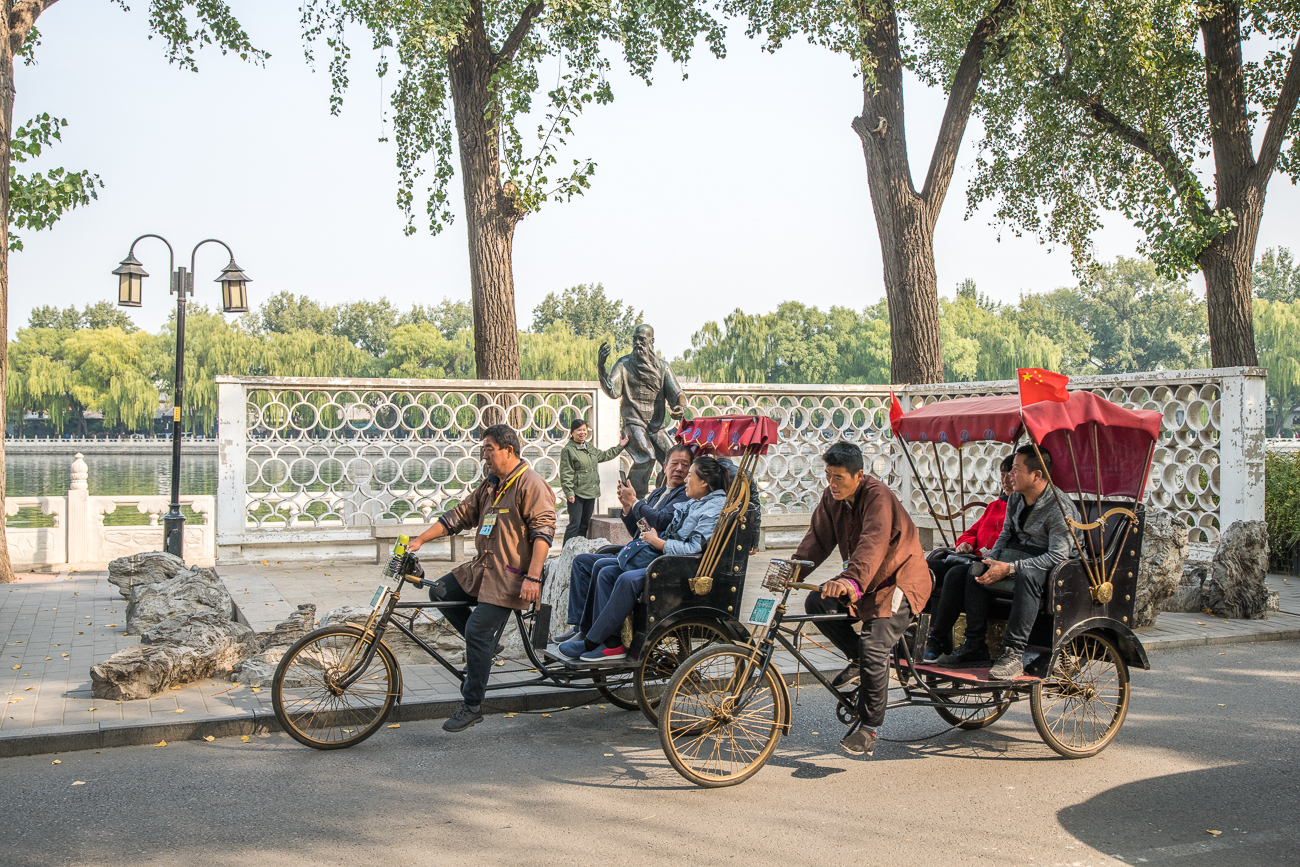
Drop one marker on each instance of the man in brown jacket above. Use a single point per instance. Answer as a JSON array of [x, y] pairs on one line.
[[512, 514], [884, 580]]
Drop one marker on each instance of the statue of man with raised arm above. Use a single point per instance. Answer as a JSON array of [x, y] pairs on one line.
[[647, 392]]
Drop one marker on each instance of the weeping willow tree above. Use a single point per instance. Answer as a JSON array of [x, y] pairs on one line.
[[111, 375], [1277, 335]]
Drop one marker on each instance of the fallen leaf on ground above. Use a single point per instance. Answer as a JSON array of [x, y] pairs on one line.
[[65, 654], [57, 762], [499, 662], [175, 687], [244, 738], [180, 710], [16, 667], [1215, 833], [1201, 623], [27, 688], [608, 755], [161, 744], [509, 715], [1223, 705], [601, 706], [81, 633], [816, 733], [256, 689], [395, 726], [48, 658], [111, 625], [92, 709], [547, 715], [209, 738], [78, 782]]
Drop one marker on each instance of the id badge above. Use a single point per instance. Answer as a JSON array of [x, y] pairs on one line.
[[489, 521]]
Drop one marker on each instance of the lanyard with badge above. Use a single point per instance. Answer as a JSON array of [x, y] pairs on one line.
[[490, 519]]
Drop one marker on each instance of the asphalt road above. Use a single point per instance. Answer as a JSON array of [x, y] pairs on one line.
[[1212, 742]]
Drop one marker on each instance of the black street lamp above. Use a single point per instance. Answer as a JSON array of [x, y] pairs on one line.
[[234, 299]]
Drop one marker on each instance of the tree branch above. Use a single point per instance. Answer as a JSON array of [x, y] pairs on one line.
[[1275, 134], [516, 37], [965, 84], [21, 18], [1179, 176]]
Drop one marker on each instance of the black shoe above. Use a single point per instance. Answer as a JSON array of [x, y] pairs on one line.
[[462, 719], [1009, 666], [859, 742], [850, 676], [567, 635], [966, 656], [935, 648]]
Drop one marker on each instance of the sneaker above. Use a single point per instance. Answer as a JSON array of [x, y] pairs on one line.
[[935, 648], [567, 635], [462, 719], [574, 648], [965, 656], [1009, 667], [861, 741], [604, 654], [850, 676]]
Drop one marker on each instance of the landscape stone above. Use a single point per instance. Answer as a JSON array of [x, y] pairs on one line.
[[148, 568], [432, 628], [1190, 595], [190, 592], [1164, 552], [177, 651], [1236, 585], [260, 669], [556, 572]]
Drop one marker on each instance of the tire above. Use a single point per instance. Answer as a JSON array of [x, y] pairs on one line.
[[316, 713], [973, 719], [699, 714], [660, 660], [1079, 707], [620, 692]]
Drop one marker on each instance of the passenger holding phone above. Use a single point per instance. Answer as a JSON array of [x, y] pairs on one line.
[[580, 476]]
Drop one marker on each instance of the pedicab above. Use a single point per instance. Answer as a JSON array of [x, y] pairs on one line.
[[725, 709], [337, 685]]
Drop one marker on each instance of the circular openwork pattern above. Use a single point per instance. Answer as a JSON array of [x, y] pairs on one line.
[[320, 458]]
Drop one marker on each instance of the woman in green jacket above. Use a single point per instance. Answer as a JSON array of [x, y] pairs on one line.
[[579, 477]]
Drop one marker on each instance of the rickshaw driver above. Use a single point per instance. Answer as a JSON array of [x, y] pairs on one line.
[[884, 579], [514, 511]]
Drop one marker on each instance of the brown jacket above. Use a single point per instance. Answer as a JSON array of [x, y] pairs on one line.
[[877, 538], [525, 512]]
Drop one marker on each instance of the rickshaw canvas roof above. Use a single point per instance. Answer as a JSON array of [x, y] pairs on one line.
[[728, 434], [1124, 436]]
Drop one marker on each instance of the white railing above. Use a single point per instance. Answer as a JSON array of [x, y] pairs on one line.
[[78, 537], [321, 460], [1282, 445]]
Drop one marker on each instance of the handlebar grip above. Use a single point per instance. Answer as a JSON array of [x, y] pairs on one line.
[[799, 585]]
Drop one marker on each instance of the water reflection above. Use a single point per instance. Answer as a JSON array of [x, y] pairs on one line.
[[108, 475]]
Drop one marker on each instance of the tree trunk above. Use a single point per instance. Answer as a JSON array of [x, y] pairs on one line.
[[490, 212], [1240, 185], [6, 135], [905, 219]]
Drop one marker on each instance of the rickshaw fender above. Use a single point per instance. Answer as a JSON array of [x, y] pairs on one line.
[[732, 628], [1128, 644]]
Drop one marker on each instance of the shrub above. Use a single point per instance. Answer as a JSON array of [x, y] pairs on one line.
[[1282, 506]]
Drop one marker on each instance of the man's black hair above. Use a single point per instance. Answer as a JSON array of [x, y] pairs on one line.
[[1033, 464], [503, 435], [846, 455], [680, 447]]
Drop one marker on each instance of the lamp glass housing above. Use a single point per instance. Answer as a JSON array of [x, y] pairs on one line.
[[130, 290], [234, 296]]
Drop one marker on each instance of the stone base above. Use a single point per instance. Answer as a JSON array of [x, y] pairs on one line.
[[611, 529]]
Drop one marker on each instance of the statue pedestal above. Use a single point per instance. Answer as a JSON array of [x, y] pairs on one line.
[[608, 528]]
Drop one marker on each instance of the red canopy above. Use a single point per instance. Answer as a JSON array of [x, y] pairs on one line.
[[728, 434], [1124, 436]]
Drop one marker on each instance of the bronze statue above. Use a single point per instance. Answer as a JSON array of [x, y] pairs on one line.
[[647, 392]]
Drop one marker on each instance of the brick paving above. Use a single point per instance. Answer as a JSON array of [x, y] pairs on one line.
[[56, 626]]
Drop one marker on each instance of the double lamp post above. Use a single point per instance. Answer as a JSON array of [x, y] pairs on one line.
[[234, 299]]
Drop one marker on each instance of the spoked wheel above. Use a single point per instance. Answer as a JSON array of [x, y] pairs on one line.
[[1079, 707], [973, 711], [315, 705], [718, 722], [619, 690], [661, 659]]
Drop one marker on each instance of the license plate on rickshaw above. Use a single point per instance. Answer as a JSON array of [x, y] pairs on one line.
[[378, 598]]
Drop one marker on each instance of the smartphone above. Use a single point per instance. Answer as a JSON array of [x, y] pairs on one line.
[[643, 524], [622, 476]]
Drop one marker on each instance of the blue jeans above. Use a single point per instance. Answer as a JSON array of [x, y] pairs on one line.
[[1026, 598], [615, 594], [584, 566]]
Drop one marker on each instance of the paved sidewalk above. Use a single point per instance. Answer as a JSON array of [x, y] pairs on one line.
[[56, 626]]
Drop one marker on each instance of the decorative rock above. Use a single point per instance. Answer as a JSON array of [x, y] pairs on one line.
[[1236, 585], [436, 632], [1164, 551], [555, 589], [177, 651], [190, 592], [1190, 595], [260, 669], [150, 568]]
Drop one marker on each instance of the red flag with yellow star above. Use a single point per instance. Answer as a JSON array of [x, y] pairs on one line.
[[895, 412], [1037, 385]]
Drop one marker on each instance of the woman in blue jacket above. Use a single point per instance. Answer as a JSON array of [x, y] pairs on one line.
[[617, 587]]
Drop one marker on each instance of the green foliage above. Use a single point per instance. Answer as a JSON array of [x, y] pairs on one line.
[[1277, 339], [38, 200], [449, 317], [285, 313], [1142, 321], [586, 311], [367, 324], [101, 314], [1276, 276], [111, 373], [1282, 500], [1104, 108], [421, 33], [423, 350]]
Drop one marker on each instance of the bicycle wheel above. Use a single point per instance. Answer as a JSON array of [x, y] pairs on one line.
[[718, 723], [311, 705], [975, 713], [619, 691], [1080, 706], [660, 659]]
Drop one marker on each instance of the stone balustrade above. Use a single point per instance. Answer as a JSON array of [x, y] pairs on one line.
[[69, 531]]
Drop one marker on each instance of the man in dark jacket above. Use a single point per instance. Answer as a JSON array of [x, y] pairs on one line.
[[884, 579], [657, 511]]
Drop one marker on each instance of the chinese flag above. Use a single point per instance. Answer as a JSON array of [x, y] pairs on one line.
[[1037, 385], [895, 413]]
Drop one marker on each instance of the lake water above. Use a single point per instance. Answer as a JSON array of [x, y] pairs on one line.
[[108, 475]]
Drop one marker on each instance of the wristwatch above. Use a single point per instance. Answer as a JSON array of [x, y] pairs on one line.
[[1011, 572]]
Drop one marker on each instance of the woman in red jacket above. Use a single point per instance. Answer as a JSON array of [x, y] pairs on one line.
[[950, 572]]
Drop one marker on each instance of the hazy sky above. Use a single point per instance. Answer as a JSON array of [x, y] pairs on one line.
[[742, 186]]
